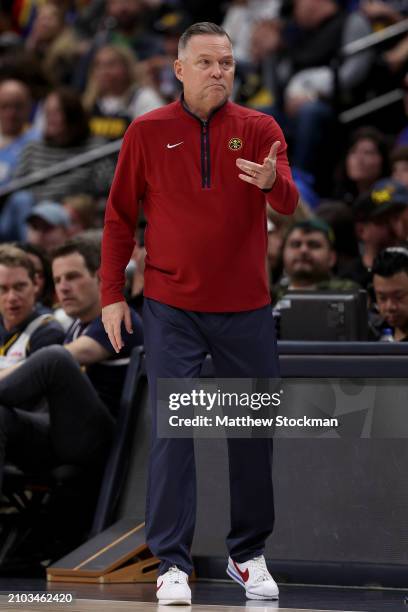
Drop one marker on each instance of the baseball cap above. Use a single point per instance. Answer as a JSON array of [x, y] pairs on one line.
[[314, 224], [50, 212], [385, 195]]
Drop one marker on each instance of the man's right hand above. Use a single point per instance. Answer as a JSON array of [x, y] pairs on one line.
[[112, 317]]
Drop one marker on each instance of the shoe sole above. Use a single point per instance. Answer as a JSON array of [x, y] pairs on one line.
[[269, 597], [174, 602], [237, 578]]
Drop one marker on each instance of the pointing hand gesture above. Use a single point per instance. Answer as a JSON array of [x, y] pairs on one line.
[[261, 175]]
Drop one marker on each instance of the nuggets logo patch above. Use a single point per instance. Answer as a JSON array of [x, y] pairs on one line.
[[235, 143]]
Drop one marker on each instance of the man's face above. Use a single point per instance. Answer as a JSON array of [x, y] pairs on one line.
[[206, 69], [41, 233], [77, 289], [307, 256], [15, 107], [392, 298], [17, 295]]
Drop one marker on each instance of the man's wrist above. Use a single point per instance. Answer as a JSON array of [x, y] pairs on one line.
[[268, 189]]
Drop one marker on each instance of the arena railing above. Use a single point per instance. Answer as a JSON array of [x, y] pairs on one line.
[[362, 44], [366, 43], [82, 159]]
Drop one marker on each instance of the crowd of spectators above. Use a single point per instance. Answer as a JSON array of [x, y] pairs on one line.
[[73, 76]]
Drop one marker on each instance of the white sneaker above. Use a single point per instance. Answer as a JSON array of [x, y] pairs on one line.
[[254, 576], [172, 588]]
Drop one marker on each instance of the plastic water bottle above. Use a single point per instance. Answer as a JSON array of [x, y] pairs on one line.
[[387, 335]]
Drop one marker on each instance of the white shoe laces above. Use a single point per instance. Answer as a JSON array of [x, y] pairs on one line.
[[175, 575], [259, 565]]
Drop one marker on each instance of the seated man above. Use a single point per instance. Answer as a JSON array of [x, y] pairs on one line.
[[24, 328], [48, 225], [78, 424], [380, 221], [308, 259], [390, 278]]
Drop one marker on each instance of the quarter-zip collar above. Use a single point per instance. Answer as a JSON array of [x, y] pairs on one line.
[[205, 141], [206, 121]]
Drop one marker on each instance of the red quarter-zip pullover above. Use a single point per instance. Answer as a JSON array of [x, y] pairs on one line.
[[206, 236]]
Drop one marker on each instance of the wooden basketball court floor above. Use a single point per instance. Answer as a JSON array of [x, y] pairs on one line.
[[207, 596]]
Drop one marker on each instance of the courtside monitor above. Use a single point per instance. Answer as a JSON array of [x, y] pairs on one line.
[[323, 315]]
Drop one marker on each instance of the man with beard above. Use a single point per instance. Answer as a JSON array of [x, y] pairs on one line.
[[308, 259]]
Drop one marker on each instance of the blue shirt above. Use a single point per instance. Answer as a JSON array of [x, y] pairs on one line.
[[10, 154]]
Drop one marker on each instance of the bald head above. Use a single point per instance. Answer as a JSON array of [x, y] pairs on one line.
[[15, 106]]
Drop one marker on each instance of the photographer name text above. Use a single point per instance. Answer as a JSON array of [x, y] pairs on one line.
[[248, 421]]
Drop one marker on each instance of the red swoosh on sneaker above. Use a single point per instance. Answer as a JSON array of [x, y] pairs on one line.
[[160, 585], [244, 575]]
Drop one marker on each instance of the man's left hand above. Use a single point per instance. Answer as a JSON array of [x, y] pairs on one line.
[[261, 175]]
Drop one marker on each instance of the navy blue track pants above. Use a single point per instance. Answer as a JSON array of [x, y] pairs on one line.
[[242, 345]]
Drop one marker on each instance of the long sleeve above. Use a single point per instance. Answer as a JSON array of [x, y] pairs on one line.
[[283, 197], [127, 190], [195, 228]]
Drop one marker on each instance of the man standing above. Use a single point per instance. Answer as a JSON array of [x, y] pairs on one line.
[[181, 162]]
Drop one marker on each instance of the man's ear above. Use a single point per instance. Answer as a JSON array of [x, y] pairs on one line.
[[178, 69], [332, 258], [36, 285]]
